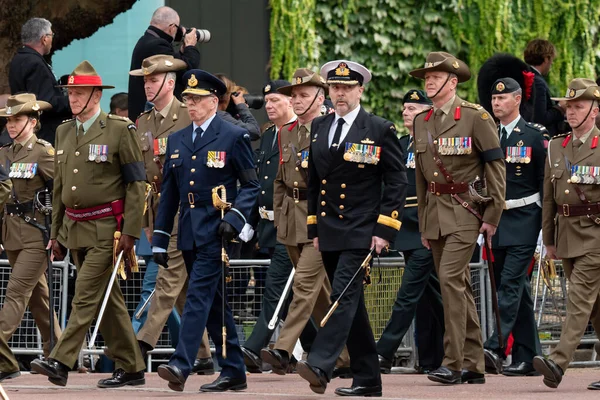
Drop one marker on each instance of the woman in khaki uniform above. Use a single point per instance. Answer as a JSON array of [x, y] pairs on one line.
[[30, 162]]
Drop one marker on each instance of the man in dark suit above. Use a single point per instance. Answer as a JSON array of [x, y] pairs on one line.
[[419, 295], [30, 73], [158, 39], [515, 240], [540, 54], [208, 153], [352, 154], [280, 112]]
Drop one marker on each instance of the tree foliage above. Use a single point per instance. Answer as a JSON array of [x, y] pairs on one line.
[[392, 37]]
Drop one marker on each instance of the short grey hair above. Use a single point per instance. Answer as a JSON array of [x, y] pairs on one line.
[[163, 17], [172, 75], [34, 29]]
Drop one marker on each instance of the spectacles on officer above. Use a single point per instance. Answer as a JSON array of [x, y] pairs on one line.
[[51, 34], [192, 99]]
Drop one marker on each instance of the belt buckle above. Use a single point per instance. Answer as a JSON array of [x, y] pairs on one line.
[[566, 211], [154, 187], [432, 187], [191, 199], [296, 195]]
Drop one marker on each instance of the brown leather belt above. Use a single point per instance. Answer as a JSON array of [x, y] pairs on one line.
[[447, 188], [578, 210], [297, 194]]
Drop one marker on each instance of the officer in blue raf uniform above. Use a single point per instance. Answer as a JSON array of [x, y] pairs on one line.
[[208, 153], [515, 241], [419, 295]]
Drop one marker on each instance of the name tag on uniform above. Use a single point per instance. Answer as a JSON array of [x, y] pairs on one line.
[[518, 154], [98, 153], [22, 170], [585, 174], [160, 146], [362, 153], [215, 159], [455, 146], [175, 155], [410, 160]]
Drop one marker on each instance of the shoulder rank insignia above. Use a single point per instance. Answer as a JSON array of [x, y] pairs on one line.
[[368, 141], [131, 126], [471, 105]]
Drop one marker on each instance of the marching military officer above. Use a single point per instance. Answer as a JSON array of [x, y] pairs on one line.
[[154, 127], [351, 154], [456, 147], [570, 219], [30, 162], [311, 288], [208, 153], [419, 294], [515, 241], [280, 112], [99, 184]]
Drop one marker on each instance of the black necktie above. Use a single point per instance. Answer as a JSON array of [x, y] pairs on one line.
[[199, 132], [503, 137], [335, 144]]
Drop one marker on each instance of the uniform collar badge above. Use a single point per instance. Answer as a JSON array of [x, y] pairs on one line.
[[174, 117], [517, 129], [30, 146]]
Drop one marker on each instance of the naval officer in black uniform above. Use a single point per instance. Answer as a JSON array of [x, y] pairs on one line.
[[352, 154], [515, 240], [419, 294]]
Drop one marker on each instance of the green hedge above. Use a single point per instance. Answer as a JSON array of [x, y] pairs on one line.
[[391, 37]]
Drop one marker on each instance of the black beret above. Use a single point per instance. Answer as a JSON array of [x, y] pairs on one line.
[[416, 96], [272, 86], [505, 85]]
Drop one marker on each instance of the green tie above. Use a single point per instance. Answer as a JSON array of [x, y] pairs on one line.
[[80, 131]]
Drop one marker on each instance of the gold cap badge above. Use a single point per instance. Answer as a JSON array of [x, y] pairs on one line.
[[298, 80], [267, 88], [571, 93], [342, 70], [414, 96], [35, 107], [192, 82], [145, 71], [500, 87], [455, 65]]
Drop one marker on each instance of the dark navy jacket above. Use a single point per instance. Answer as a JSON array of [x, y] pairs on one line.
[[188, 182]]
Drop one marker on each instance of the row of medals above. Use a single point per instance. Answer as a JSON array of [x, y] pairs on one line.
[[455, 146], [584, 177], [98, 153], [22, 170]]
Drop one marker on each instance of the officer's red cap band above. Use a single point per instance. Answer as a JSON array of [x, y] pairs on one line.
[[85, 80]]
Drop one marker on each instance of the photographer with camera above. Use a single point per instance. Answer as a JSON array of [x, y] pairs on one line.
[[234, 107], [164, 29]]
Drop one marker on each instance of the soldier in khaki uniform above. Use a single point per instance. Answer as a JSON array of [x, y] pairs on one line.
[[570, 220], [463, 137], [311, 286], [99, 184], [154, 127], [31, 164]]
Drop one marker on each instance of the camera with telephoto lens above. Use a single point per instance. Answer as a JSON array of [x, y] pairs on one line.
[[202, 35], [254, 101]]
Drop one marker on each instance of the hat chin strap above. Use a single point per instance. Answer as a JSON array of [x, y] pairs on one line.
[[440, 89], [585, 118], [311, 104], [22, 129], [159, 89], [86, 103]]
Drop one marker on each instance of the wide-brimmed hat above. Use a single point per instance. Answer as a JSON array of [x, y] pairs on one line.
[[444, 62], [84, 75], [24, 103], [202, 83], [345, 72], [304, 77], [160, 63], [581, 89]]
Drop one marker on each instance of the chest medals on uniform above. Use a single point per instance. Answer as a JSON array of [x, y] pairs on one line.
[[160, 146], [585, 174], [455, 146], [98, 153], [362, 153], [215, 159], [304, 159], [518, 154], [22, 170]]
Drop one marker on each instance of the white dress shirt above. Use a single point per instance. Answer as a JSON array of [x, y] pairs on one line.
[[348, 121]]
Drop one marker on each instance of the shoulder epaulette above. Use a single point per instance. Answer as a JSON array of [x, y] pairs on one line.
[[143, 112], [44, 142], [67, 120], [5, 145], [471, 105], [267, 126], [119, 118], [562, 135], [537, 127]]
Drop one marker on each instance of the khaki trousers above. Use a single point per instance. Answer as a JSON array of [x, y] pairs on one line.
[[583, 303], [170, 290], [27, 285], [94, 268], [312, 292], [463, 345]]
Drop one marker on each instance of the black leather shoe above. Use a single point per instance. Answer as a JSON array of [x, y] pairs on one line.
[[446, 376], [425, 369], [121, 378], [594, 386], [520, 369], [342, 373], [173, 375], [9, 375], [471, 377], [363, 391], [315, 376], [56, 372], [252, 361], [203, 366], [493, 362], [279, 359], [385, 365], [224, 383], [552, 373]]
